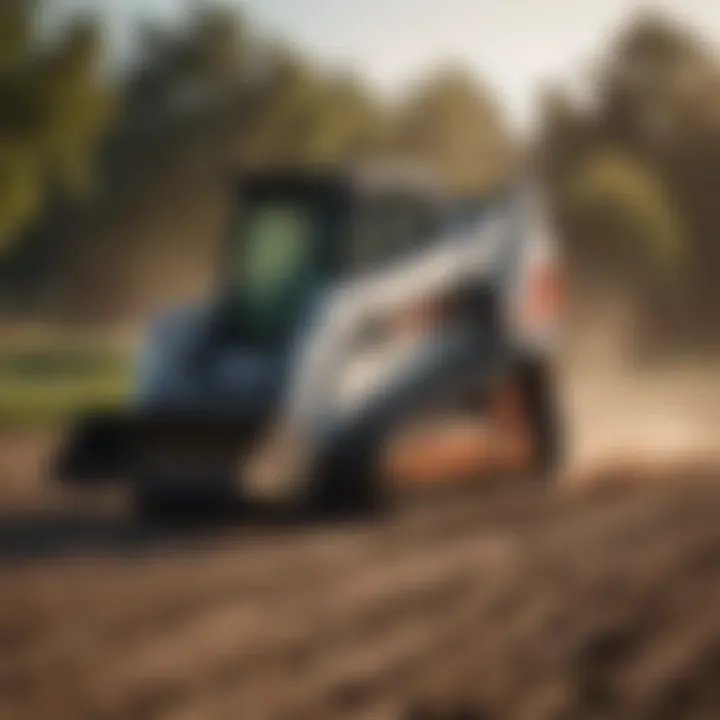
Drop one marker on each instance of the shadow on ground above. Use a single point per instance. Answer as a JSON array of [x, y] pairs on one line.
[[52, 534]]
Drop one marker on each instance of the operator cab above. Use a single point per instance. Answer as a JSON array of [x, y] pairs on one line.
[[296, 233]]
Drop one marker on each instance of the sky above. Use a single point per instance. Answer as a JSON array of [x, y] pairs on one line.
[[514, 45]]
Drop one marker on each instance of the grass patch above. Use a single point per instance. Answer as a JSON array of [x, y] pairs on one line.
[[46, 384]]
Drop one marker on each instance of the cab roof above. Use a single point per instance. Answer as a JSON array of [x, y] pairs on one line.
[[357, 179]]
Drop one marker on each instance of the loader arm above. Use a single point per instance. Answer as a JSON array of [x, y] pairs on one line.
[[451, 275]]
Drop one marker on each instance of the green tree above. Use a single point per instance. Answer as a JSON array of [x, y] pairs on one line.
[[53, 111], [302, 115], [630, 201], [645, 146]]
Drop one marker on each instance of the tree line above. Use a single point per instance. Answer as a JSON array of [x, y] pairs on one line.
[[84, 149], [631, 164], [634, 166]]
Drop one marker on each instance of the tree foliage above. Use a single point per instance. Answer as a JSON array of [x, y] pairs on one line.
[[644, 144], [628, 200], [281, 108], [452, 123], [53, 110], [303, 116]]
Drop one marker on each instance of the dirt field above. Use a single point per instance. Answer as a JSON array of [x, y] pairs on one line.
[[506, 602]]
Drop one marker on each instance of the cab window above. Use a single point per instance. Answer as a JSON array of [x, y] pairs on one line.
[[391, 228]]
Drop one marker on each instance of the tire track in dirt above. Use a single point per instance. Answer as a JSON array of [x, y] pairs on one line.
[[261, 566], [520, 602], [238, 629], [373, 628], [375, 545]]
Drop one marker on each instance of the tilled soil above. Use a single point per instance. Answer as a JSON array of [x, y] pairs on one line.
[[517, 601]]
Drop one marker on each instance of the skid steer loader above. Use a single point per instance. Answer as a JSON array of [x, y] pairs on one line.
[[368, 331]]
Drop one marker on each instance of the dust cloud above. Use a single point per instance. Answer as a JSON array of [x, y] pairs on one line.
[[624, 410]]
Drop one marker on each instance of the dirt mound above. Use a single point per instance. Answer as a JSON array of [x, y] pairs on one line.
[[609, 610], [514, 602]]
